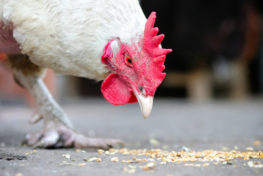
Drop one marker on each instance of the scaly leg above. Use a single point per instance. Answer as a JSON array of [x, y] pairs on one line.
[[58, 130]]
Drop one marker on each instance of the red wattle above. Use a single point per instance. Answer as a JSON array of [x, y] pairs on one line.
[[116, 91]]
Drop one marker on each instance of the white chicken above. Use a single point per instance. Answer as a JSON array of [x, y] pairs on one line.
[[95, 39]]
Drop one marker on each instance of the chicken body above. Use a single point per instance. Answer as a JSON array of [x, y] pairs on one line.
[[87, 38], [69, 36]]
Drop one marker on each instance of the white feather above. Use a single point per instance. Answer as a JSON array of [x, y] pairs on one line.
[[69, 35]]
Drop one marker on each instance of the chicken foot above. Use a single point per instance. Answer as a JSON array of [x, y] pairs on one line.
[[58, 131], [60, 136]]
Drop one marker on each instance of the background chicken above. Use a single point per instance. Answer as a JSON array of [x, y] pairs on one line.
[[96, 39]]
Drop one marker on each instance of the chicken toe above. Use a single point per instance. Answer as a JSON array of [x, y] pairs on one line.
[[61, 136]]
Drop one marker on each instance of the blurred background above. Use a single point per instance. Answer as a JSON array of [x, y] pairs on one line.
[[218, 53]]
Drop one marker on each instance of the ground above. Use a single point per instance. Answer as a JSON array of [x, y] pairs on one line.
[[173, 126]]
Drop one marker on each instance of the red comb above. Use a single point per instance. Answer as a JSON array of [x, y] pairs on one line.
[[151, 46], [151, 40]]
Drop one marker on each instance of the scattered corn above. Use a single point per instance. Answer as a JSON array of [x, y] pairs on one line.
[[255, 164], [100, 151], [149, 166], [147, 160], [217, 157], [249, 149], [82, 164], [67, 156], [115, 159], [96, 159]]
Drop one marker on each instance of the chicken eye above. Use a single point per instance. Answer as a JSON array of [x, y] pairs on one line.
[[128, 61]]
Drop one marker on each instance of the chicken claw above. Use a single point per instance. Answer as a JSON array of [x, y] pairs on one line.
[[60, 136]]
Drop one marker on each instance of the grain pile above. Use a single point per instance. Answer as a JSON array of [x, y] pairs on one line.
[[149, 159], [182, 156], [133, 160]]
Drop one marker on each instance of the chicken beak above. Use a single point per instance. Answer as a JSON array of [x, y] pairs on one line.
[[146, 103]]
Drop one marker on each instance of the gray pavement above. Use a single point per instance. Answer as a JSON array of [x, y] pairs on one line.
[[173, 125]]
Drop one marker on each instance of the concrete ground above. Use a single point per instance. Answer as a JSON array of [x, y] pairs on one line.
[[173, 125]]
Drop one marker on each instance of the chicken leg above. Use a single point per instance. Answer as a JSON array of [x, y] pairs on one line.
[[58, 130]]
